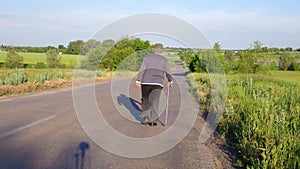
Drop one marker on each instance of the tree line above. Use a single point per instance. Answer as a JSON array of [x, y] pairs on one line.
[[80, 47], [74, 48], [107, 54], [253, 60]]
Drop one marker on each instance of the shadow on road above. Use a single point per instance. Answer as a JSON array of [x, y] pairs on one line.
[[132, 105], [81, 154]]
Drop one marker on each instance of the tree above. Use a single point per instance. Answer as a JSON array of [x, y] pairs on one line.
[[229, 57], [265, 49], [75, 47], [13, 60], [53, 60], [138, 44], [93, 59], [246, 61], [115, 54], [274, 50], [257, 46], [285, 61], [187, 56], [130, 62], [197, 64], [62, 48], [294, 66], [217, 47], [110, 55], [288, 49], [108, 43], [90, 45], [273, 66]]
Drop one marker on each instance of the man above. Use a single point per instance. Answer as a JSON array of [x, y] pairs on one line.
[[150, 79]]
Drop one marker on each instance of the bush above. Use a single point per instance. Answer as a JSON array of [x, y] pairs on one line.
[[16, 77], [1, 79], [63, 66], [13, 60], [40, 65], [294, 66], [53, 59], [2, 64], [29, 65], [41, 77], [81, 73]]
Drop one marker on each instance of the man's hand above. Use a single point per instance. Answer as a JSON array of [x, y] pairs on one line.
[[169, 84], [138, 85]]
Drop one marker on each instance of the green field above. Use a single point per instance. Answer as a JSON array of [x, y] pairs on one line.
[[292, 77], [33, 58], [287, 76]]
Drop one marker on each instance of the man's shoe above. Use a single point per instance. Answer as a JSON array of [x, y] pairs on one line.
[[153, 124], [145, 121]]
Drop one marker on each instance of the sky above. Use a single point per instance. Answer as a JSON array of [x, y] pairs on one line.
[[236, 24]]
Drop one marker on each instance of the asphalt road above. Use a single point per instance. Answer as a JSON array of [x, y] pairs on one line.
[[41, 130]]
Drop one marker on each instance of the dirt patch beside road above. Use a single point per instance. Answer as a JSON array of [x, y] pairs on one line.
[[8, 90]]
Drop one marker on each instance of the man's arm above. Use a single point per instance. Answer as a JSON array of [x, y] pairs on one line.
[[168, 74], [141, 74]]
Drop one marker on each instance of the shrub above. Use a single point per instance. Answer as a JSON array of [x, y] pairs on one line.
[[13, 60], [43, 76], [40, 65], [63, 66], [53, 60], [16, 77]]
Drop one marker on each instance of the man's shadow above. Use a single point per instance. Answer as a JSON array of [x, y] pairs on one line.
[[132, 105], [81, 154]]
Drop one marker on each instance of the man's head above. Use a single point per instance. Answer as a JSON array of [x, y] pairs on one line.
[[158, 48]]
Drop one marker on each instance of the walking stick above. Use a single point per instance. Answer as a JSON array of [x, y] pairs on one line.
[[167, 107]]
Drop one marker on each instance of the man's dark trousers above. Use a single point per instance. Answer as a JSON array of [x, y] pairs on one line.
[[150, 101]]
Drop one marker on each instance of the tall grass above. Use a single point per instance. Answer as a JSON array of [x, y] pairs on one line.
[[17, 77], [262, 119], [13, 77], [19, 81]]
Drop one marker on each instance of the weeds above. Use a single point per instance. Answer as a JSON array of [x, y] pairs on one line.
[[262, 117]]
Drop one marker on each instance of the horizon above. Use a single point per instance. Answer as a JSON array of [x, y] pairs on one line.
[[170, 47], [152, 43]]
